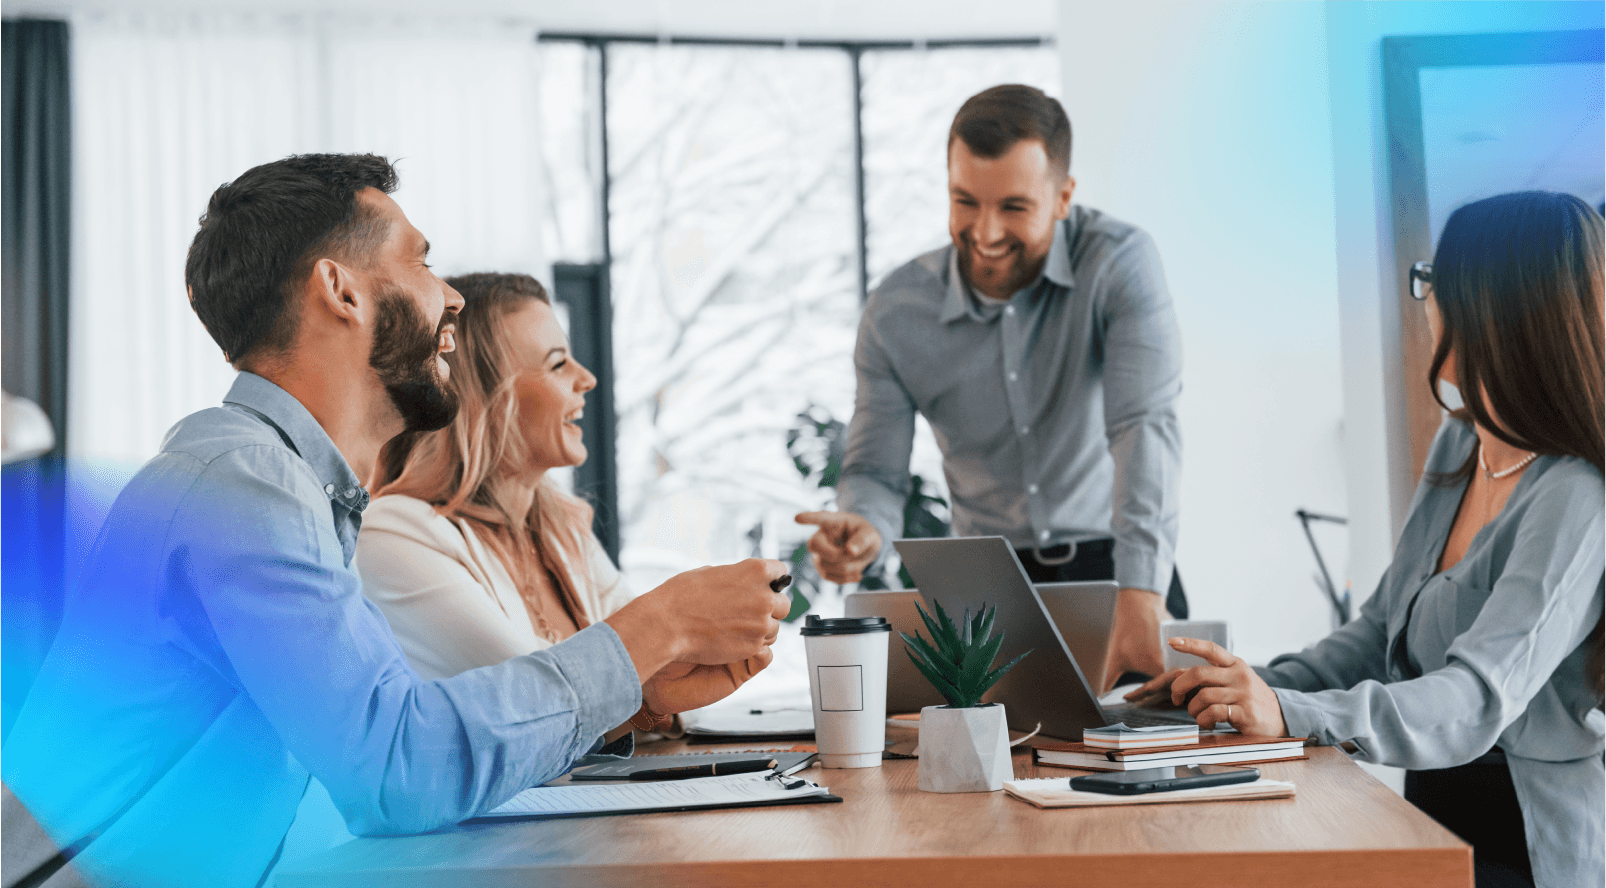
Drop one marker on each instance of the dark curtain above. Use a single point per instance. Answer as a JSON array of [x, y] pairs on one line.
[[35, 193], [584, 288]]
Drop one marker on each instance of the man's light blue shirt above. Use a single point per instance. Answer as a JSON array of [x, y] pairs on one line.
[[220, 649]]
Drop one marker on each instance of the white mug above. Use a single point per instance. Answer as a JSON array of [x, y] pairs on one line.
[[1209, 630], [848, 684]]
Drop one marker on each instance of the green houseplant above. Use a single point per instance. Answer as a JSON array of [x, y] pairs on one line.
[[964, 747]]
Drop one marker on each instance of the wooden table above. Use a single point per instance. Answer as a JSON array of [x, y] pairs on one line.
[[1343, 828]]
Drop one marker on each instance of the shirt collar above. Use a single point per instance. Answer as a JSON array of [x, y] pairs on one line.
[[305, 436], [960, 302]]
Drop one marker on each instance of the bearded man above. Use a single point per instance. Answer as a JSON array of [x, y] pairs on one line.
[[1043, 349], [220, 651]]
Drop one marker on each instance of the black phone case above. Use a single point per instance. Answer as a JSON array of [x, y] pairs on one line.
[[1106, 783]]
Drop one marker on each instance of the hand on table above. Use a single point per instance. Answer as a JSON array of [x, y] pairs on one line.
[[1134, 636], [844, 545], [1227, 690], [679, 687]]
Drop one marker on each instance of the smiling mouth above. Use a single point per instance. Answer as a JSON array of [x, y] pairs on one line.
[[574, 418], [447, 340], [993, 254]]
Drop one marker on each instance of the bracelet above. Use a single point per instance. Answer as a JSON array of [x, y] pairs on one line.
[[653, 719]]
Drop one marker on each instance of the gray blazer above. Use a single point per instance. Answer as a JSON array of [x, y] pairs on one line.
[[1440, 667]]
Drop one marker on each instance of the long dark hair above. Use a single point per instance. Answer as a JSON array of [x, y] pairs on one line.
[[1517, 279]]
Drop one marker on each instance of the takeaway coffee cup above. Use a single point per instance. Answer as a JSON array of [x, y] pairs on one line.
[[848, 681]]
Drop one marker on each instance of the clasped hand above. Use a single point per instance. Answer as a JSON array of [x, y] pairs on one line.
[[1227, 690], [679, 687]]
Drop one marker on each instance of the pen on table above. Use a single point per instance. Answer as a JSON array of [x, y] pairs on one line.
[[748, 766]]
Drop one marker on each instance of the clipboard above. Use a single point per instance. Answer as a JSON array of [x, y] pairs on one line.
[[696, 794], [788, 763]]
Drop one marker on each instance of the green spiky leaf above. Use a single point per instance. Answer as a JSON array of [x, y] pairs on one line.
[[959, 656], [946, 689]]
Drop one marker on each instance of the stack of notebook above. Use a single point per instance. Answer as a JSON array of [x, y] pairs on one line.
[[1131, 749]]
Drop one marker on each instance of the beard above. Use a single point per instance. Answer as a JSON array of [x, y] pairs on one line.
[[1007, 280], [403, 355]]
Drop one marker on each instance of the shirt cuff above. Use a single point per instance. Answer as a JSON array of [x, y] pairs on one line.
[[1138, 569], [603, 678], [1301, 717]]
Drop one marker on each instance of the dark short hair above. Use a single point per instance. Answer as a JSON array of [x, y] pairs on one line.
[[993, 120], [261, 235]]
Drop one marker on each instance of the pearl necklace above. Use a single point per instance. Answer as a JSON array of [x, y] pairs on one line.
[[1503, 473]]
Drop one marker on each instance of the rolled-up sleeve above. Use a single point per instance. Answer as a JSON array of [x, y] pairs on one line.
[[875, 466], [1142, 379], [290, 627]]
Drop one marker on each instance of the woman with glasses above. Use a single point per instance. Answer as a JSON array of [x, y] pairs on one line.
[[1477, 663]]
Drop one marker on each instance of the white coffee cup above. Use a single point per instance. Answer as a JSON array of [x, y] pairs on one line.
[[1209, 630], [848, 683]]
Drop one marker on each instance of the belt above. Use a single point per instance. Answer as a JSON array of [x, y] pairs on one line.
[[1064, 553]]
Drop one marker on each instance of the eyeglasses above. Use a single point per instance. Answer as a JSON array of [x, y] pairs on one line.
[[1421, 278]]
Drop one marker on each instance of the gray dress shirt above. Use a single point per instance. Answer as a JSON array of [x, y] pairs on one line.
[[1440, 667], [1055, 412], [220, 649]]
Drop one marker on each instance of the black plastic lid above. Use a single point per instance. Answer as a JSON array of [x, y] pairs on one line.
[[813, 625]]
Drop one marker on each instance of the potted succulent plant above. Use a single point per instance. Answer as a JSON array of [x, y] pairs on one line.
[[964, 747]]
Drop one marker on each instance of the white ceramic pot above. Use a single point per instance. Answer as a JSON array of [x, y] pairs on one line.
[[964, 750]]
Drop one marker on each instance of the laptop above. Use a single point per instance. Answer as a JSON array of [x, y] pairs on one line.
[[1083, 613], [1047, 691]]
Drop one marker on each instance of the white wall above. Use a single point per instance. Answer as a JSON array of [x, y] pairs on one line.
[[1207, 125]]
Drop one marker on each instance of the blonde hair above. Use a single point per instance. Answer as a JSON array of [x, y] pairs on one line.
[[462, 470]]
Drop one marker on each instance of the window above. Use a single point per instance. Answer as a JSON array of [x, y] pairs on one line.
[[738, 248]]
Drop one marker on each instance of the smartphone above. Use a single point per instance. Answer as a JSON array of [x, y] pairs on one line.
[[1164, 779]]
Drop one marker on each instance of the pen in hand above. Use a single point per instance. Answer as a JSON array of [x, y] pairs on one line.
[[748, 766], [781, 582]]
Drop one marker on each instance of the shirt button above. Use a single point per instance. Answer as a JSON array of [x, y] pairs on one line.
[[329, 489], [1025, 430], [1009, 310], [1013, 376], [1043, 536], [351, 492], [1031, 488]]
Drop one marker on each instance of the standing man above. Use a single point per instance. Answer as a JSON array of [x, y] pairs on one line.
[[1043, 349], [219, 649]]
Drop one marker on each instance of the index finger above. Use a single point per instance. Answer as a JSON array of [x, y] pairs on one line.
[[1211, 652], [773, 570], [818, 519], [862, 540]]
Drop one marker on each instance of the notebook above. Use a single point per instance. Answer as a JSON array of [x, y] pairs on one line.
[[1223, 748], [1056, 792], [592, 800], [1123, 736]]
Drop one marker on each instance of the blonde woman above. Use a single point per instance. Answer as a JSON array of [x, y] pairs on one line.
[[470, 549]]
